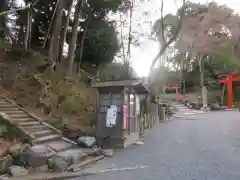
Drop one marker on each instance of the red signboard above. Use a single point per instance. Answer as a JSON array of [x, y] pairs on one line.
[[125, 116]]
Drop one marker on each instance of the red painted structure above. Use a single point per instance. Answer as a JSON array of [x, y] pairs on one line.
[[229, 78], [176, 87]]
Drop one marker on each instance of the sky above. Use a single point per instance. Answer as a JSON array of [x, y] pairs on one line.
[[143, 55]]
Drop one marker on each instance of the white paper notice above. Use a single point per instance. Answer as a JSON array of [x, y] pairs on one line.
[[111, 116]]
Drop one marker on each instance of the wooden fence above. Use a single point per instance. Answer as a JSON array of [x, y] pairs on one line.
[[151, 118]]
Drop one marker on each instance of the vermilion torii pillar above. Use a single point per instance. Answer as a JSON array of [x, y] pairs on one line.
[[228, 81], [176, 87]]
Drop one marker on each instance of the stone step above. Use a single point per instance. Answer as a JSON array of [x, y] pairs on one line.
[[59, 145], [42, 133], [178, 105], [46, 138], [30, 123], [18, 116], [30, 129], [7, 105], [3, 101], [9, 109], [14, 111], [18, 120], [183, 108]]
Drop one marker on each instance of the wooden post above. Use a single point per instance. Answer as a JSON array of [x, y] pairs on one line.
[[177, 94], [229, 89]]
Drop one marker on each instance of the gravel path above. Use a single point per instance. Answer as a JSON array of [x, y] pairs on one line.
[[204, 147]]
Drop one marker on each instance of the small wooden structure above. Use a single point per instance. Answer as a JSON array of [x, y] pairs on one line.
[[125, 95]]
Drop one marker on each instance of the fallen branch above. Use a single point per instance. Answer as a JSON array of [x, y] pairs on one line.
[[163, 35], [79, 167], [14, 10], [19, 9], [116, 170]]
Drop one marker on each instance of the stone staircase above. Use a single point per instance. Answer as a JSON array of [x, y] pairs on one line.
[[184, 112], [50, 149], [40, 132]]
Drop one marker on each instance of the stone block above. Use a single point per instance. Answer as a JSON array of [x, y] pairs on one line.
[[58, 164], [87, 141], [40, 169], [17, 171], [5, 163], [108, 152], [37, 155]]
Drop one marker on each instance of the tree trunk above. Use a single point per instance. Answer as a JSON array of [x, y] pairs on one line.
[[21, 36], [30, 28], [181, 74], [203, 89], [79, 67], [72, 44], [64, 34], [3, 7], [127, 62], [27, 31], [50, 25], [54, 46], [123, 45], [121, 36], [98, 73], [223, 93]]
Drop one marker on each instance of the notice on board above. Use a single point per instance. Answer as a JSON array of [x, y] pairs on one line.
[[111, 116]]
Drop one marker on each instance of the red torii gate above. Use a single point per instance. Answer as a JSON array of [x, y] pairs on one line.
[[228, 81], [176, 87]]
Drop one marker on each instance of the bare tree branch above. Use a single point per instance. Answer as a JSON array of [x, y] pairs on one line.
[[63, 36], [79, 67], [27, 31], [50, 26], [129, 39], [164, 47], [130, 30], [163, 35], [122, 43]]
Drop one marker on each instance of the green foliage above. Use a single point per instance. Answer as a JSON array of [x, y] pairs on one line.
[[12, 132], [101, 8], [168, 23], [116, 71], [225, 61], [202, 34], [101, 42], [42, 20]]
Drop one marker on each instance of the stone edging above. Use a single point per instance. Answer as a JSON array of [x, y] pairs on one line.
[[37, 119]]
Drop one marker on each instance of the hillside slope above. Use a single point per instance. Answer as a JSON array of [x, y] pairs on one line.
[[27, 79]]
